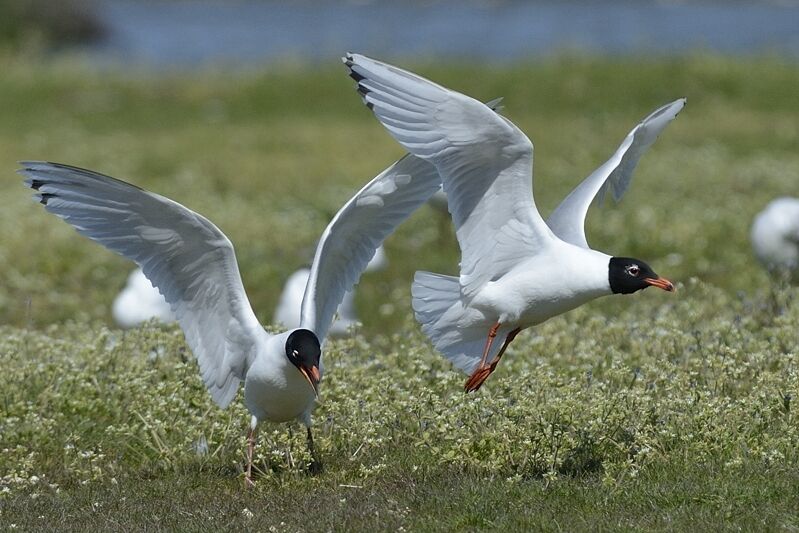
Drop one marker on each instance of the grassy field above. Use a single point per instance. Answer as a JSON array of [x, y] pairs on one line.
[[655, 411]]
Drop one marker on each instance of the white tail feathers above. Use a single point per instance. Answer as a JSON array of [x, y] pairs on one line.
[[457, 332], [433, 295]]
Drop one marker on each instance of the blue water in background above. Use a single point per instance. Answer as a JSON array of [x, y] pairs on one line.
[[199, 33]]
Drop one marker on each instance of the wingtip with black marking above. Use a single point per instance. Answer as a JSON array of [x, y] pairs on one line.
[[349, 61], [45, 197], [33, 182]]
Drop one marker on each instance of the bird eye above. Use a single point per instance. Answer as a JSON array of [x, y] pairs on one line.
[[633, 270], [295, 353]]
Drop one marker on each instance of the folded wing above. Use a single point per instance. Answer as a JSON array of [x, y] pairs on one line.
[[184, 255], [567, 221], [484, 160], [357, 230]]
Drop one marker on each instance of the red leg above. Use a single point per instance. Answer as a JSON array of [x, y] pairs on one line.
[[492, 333], [482, 368], [508, 340], [481, 374]]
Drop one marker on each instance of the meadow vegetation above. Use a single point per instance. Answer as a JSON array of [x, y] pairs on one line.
[[644, 412]]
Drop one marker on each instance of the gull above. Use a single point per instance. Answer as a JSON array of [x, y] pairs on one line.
[[516, 270], [289, 307], [193, 264], [139, 302], [775, 236]]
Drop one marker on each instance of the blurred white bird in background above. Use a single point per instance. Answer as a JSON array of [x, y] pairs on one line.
[[289, 306], [439, 202], [775, 237], [139, 302]]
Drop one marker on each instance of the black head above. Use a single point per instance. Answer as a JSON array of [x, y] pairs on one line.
[[304, 351], [627, 275]]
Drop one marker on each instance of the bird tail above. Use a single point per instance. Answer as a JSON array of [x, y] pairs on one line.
[[456, 331]]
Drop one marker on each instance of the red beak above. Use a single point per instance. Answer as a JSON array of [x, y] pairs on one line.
[[313, 377], [661, 283]]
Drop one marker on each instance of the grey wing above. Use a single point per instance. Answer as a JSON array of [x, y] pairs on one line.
[[351, 238], [189, 260], [567, 221], [484, 160]]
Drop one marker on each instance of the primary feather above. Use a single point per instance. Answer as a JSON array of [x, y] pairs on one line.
[[567, 221]]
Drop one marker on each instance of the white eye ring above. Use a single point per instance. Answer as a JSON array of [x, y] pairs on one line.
[[633, 270]]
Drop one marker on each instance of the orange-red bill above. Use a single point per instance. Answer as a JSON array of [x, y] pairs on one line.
[[661, 283], [312, 376]]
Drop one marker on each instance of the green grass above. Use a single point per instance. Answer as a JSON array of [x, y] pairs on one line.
[[655, 411]]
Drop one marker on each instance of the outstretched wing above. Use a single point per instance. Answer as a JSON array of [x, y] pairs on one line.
[[184, 255], [567, 221], [351, 238], [484, 160]]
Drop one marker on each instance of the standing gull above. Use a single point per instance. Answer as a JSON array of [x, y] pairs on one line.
[[192, 263], [516, 270]]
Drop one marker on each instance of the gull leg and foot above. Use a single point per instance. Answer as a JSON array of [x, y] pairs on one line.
[[316, 465], [250, 450], [508, 340], [483, 371], [289, 457]]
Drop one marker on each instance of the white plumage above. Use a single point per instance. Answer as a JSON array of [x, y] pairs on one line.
[[775, 235], [516, 270], [139, 302], [193, 265]]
